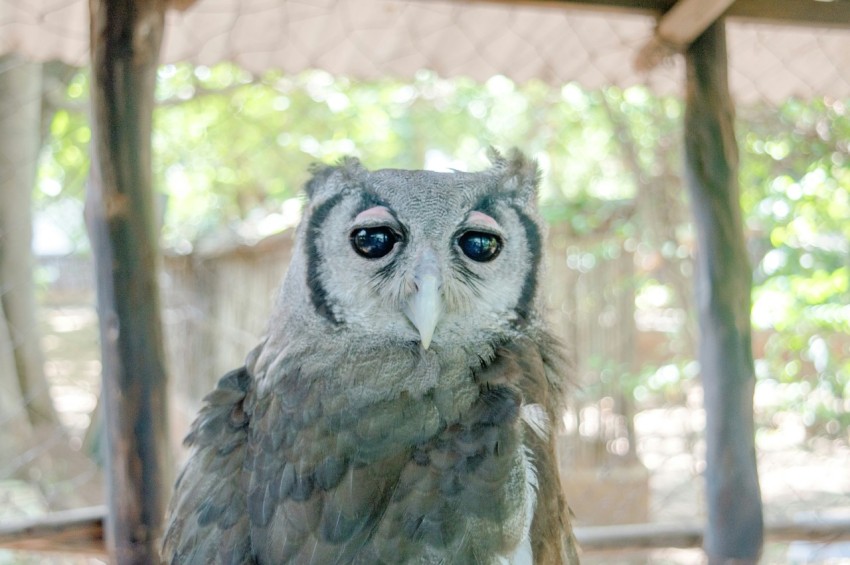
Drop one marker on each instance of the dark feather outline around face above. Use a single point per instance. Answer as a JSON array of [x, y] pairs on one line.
[[514, 179]]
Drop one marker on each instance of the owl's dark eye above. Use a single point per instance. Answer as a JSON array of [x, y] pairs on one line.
[[480, 246], [373, 243]]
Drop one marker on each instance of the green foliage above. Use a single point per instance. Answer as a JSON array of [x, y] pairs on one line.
[[64, 165], [237, 146], [232, 150], [797, 203]]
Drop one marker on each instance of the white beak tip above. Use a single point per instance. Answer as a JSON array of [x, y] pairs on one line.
[[425, 308]]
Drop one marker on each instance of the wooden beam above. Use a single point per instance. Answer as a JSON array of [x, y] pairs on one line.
[[72, 531], [677, 28], [645, 7], [734, 528], [687, 19], [125, 42], [681, 22], [660, 536], [834, 14]]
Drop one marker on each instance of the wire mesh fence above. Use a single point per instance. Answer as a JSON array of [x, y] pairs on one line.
[[232, 144]]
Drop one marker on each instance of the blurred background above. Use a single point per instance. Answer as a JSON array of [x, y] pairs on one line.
[[231, 152]]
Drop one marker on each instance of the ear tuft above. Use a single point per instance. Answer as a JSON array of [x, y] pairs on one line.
[[322, 184], [320, 175], [519, 174]]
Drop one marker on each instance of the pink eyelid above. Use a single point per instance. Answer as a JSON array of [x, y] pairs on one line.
[[481, 219], [374, 214], [382, 214]]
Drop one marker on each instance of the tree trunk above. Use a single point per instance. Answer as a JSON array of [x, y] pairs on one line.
[[734, 531], [17, 430], [125, 42], [20, 117]]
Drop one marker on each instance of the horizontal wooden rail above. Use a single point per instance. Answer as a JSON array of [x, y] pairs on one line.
[[810, 13], [81, 531], [70, 531], [659, 536]]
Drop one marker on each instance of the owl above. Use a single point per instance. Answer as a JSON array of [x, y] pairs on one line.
[[401, 406]]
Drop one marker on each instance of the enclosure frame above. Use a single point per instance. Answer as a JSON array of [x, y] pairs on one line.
[[125, 43]]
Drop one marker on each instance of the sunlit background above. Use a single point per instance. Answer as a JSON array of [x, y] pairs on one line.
[[232, 150]]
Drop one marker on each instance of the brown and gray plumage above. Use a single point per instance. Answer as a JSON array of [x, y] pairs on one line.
[[400, 408]]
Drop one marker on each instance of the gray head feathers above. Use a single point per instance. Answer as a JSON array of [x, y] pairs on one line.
[[472, 241]]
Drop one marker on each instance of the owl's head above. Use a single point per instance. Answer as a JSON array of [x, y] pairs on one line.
[[397, 256]]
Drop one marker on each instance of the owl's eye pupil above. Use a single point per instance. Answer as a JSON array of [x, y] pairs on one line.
[[373, 243], [480, 246]]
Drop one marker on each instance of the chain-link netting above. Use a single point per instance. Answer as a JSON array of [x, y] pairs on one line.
[[379, 38], [232, 144]]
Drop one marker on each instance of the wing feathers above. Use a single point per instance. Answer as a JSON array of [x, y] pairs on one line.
[[272, 481], [208, 519]]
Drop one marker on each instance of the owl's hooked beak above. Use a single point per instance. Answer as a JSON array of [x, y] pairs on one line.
[[425, 307]]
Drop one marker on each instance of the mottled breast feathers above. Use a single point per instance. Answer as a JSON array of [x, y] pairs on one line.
[[401, 407]]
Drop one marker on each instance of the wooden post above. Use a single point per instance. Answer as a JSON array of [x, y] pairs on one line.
[[125, 43], [734, 531]]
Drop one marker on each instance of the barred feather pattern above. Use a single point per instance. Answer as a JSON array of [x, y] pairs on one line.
[[279, 474], [400, 408]]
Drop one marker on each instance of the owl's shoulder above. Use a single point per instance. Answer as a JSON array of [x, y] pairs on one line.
[[208, 522]]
